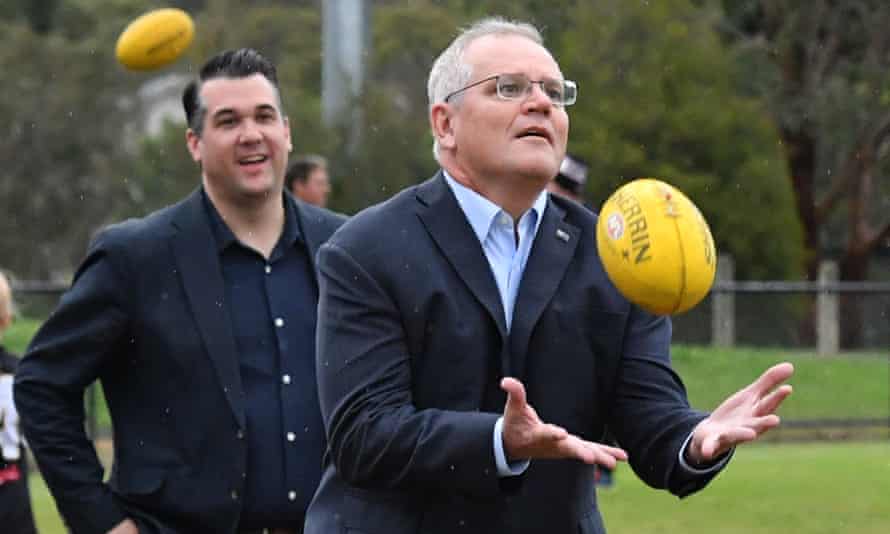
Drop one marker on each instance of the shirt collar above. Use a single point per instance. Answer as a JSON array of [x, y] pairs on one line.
[[480, 211], [223, 234]]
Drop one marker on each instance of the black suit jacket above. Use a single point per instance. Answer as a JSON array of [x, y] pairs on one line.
[[146, 315], [412, 343]]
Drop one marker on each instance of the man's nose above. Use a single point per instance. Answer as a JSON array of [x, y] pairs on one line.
[[249, 133], [536, 97]]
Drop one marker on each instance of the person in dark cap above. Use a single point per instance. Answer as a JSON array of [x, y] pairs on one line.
[[570, 181]]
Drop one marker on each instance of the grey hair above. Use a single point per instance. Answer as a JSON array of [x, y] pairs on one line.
[[450, 73]]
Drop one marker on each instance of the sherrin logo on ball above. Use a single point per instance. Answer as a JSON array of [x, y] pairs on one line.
[[656, 247], [155, 39]]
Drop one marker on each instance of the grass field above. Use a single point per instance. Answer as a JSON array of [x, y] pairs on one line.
[[843, 386], [813, 488], [826, 488]]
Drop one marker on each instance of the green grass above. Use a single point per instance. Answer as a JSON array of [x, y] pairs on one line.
[[45, 513], [18, 336], [770, 488], [767, 489], [845, 386], [825, 488]]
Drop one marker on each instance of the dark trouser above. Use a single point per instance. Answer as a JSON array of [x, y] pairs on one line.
[[15, 503]]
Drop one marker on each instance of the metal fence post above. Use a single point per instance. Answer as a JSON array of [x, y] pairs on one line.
[[723, 305], [827, 327]]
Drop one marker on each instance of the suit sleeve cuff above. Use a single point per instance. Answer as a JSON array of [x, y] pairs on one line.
[[703, 469], [505, 468]]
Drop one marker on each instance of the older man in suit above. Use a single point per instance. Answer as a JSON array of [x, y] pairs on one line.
[[471, 349], [199, 322]]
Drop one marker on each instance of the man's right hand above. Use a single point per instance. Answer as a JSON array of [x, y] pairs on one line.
[[526, 437], [127, 526]]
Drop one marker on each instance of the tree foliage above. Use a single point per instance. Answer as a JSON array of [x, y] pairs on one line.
[[659, 99], [63, 119], [825, 73], [827, 81], [660, 96]]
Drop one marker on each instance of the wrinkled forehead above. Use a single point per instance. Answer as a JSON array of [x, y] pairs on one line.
[[501, 54]]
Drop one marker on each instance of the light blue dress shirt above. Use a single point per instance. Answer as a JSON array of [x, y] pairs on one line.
[[506, 245]]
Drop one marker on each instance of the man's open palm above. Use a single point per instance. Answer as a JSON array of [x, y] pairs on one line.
[[742, 417], [527, 437]]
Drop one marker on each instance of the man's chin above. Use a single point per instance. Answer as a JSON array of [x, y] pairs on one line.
[[538, 171]]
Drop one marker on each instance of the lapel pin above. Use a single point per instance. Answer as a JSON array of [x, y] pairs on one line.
[[562, 235]]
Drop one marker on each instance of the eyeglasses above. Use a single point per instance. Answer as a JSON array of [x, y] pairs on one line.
[[519, 86]]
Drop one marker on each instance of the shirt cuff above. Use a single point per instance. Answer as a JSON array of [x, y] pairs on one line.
[[505, 468], [710, 468]]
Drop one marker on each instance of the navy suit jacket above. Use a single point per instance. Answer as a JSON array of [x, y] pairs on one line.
[[146, 315], [412, 344]]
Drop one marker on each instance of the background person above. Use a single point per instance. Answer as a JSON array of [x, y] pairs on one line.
[[307, 179], [571, 179], [199, 322], [15, 500]]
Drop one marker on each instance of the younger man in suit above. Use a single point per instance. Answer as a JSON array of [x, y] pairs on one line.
[[448, 311], [199, 322]]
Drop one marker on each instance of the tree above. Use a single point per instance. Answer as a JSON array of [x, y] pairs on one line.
[[63, 119], [659, 97], [827, 80]]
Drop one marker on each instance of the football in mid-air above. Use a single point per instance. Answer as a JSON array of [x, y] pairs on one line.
[[656, 247], [155, 39]]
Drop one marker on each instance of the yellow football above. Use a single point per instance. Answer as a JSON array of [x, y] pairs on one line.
[[155, 39], [656, 247]]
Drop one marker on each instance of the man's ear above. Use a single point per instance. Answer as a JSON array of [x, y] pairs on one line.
[[191, 141], [442, 124], [290, 145]]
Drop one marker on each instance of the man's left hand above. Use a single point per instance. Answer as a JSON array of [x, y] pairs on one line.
[[742, 417]]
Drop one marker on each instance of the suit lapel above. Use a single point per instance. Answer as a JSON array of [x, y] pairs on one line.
[[452, 233], [554, 247], [313, 231], [198, 262]]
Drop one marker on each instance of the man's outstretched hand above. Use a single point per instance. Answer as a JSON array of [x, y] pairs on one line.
[[743, 417], [526, 437]]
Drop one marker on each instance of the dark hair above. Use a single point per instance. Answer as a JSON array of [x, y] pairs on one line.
[[572, 174], [301, 168], [240, 63]]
